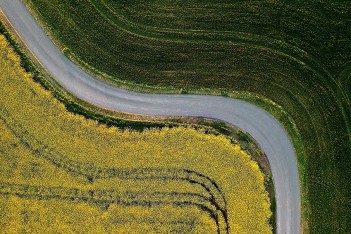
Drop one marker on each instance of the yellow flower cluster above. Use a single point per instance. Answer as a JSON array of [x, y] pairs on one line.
[[63, 173]]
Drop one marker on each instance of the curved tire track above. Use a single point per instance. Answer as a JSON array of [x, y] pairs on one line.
[[91, 173], [107, 197]]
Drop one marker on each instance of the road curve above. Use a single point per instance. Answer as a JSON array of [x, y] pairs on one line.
[[264, 128]]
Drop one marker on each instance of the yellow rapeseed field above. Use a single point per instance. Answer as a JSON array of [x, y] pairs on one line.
[[63, 173]]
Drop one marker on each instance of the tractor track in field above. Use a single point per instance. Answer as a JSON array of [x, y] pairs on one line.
[[104, 198], [91, 173]]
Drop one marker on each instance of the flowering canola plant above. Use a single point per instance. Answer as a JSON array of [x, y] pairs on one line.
[[63, 173]]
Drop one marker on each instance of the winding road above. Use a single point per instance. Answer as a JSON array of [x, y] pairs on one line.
[[265, 129]]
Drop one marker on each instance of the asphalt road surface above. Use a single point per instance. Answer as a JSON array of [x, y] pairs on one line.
[[265, 129]]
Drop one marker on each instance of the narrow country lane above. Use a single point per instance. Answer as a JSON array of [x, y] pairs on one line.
[[264, 128]]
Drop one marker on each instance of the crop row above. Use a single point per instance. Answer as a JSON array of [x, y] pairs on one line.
[[296, 23]]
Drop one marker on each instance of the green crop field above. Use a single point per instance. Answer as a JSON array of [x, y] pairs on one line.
[[296, 54]]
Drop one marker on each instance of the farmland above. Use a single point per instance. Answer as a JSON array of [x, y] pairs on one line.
[[60, 171], [295, 54]]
